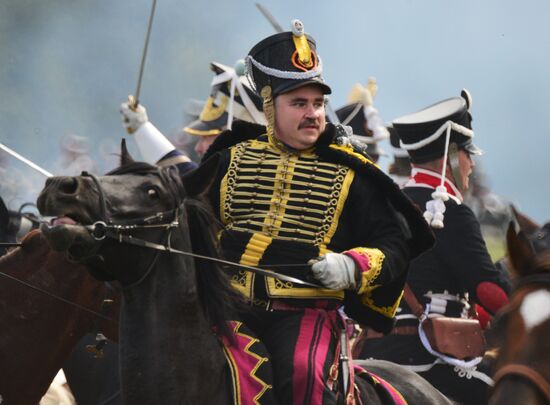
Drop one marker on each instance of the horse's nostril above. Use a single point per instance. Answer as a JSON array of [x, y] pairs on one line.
[[68, 185]]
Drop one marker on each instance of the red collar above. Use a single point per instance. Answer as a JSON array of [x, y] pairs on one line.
[[427, 178]]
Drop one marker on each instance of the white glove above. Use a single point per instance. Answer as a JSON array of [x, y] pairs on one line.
[[152, 144], [335, 271], [133, 120]]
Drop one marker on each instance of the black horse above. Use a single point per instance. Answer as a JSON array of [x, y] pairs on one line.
[[171, 301]]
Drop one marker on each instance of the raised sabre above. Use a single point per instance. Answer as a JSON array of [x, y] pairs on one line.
[[133, 101], [25, 160], [269, 17]]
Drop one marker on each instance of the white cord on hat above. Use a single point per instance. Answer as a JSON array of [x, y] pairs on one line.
[[435, 209], [284, 74], [426, 141], [231, 75]]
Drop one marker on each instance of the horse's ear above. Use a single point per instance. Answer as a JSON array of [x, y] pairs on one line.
[[519, 251], [526, 224], [125, 157], [199, 181]]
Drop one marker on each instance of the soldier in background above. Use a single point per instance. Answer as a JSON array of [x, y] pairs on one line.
[[75, 156], [493, 212], [183, 140], [400, 169], [458, 268], [18, 191], [363, 118], [231, 98]]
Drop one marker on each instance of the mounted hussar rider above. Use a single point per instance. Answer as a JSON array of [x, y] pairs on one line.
[[295, 197]]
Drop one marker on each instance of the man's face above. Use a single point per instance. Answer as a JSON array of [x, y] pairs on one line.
[[300, 117], [465, 165], [204, 143]]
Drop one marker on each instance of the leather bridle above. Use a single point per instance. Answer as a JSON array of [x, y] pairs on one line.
[[105, 228], [525, 372]]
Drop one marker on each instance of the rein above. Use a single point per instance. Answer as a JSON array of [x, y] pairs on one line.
[[100, 230], [527, 373], [49, 294], [105, 228]]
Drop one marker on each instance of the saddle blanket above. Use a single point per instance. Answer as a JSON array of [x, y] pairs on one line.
[[251, 380]]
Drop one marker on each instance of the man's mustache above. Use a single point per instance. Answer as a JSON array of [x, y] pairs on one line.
[[308, 122]]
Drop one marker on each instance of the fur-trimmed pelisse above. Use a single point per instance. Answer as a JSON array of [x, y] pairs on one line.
[[332, 148], [351, 157]]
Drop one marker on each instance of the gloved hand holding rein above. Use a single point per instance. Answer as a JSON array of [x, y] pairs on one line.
[[336, 271]]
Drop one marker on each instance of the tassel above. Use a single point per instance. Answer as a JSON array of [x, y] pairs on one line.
[[435, 209]]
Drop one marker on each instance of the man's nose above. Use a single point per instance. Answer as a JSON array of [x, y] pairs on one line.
[[199, 148], [312, 111]]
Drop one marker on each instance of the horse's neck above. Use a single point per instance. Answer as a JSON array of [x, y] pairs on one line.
[[165, 335], [40, 330]]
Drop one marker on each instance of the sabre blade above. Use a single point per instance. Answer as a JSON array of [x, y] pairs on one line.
[[25, 160], [269, 18], [10, 244], [134, 100]]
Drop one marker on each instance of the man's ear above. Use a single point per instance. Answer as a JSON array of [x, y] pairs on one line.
[[198, 181]]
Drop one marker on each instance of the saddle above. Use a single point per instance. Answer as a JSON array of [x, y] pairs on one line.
[[250, 376]]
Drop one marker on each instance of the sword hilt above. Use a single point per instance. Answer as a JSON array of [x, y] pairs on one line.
[[132, 102]]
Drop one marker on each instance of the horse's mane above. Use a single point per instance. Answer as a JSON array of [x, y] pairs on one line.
[[133, 167], [219, 299]]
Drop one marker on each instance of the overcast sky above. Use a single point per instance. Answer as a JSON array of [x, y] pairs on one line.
[[67, 65]]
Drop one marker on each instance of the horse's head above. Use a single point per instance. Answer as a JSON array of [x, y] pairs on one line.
[[133, 194], [524, 324]]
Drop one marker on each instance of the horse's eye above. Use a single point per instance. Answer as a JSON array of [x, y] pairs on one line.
[[152, 193]]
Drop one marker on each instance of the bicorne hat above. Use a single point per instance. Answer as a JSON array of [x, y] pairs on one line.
[[285, 61], [426, 133], [230, 98]]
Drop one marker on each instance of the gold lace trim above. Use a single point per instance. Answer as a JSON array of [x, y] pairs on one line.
[[376, 258], [389, 312]]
